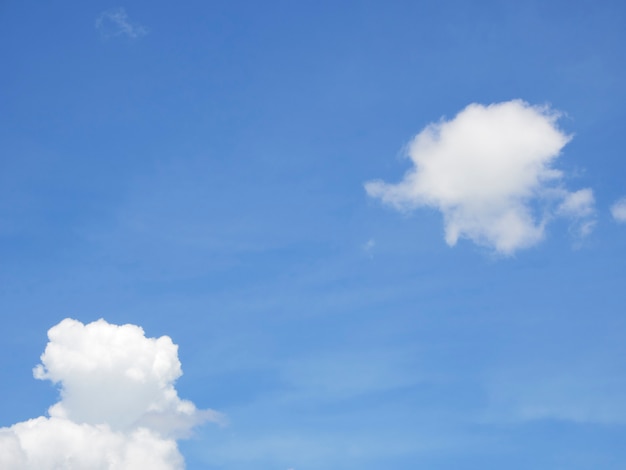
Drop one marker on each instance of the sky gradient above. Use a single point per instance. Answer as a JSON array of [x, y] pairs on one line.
[[268, 185]]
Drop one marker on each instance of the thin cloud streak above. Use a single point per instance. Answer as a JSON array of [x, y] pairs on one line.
[[115, 23], [618, 210]]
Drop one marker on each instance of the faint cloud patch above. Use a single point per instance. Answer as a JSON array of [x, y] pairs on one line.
[[618, 210], [116, 23], [368, 247], [579, 206], [341, 375]]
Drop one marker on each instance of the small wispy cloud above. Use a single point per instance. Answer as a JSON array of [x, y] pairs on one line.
[[618, 210], [115, 23], [489, 171], [579, 206], [368, 246]]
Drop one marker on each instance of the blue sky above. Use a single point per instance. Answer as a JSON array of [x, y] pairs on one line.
[[201, 170]]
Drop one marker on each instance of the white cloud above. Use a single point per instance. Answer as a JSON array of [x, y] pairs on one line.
[[53, 443], [489, 171], [618, 210], [115, 22], [118, 408]]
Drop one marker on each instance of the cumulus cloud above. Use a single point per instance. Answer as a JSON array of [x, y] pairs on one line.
[[489, 171], [118, 407], [112, 23], [618, 210]]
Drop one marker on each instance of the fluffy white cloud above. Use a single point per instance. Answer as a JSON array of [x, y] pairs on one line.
[[618, 210], [53, 443], [118, 409], [489, 170]]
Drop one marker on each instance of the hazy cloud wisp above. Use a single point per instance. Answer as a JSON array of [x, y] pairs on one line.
[[118, 408], [618, 210], [489, 171], [112, 23]]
